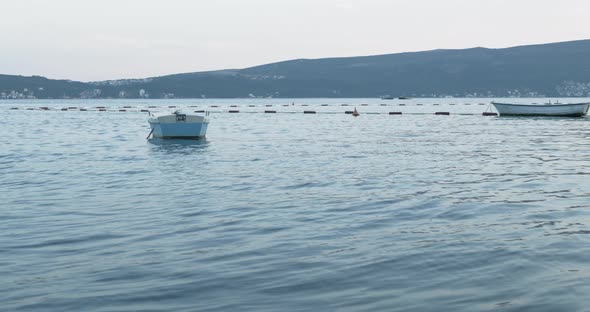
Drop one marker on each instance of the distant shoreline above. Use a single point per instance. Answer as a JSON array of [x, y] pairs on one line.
[[533, 71]]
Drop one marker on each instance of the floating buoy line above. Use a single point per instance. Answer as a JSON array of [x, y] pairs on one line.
[[233, 109]]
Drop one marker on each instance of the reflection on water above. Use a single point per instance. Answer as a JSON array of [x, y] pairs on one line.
[[547, 118], [178, 145]]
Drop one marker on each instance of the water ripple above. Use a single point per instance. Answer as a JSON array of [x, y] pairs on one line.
[[293, 212]]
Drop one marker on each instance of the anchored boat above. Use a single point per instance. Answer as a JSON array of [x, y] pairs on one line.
[[556, 110], [178, 126]]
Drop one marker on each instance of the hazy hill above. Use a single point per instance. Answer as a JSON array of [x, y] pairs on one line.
[[556, 69], [40, 87]]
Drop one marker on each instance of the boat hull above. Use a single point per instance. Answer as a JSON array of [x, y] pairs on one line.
[[179, 126], [551, 110], [179, 130]]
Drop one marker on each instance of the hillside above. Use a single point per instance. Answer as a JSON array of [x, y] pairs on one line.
[[556, 69]]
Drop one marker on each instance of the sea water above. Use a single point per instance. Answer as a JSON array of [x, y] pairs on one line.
[[293, 211]]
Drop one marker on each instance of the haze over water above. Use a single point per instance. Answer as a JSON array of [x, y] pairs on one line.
[[293, 212]]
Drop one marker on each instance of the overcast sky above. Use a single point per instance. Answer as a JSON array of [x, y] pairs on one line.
[[113, 39]]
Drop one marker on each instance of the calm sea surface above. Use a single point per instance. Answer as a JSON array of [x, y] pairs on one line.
[[293, 211]]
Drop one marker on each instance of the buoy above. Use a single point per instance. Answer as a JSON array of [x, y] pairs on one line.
[[355, 113], [442, 113], [395, 113]]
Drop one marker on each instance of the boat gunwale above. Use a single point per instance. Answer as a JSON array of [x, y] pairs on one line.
[[156, 119], [542, 105]]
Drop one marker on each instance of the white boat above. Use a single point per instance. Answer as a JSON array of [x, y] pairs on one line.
[[178, 126], [557, 110]]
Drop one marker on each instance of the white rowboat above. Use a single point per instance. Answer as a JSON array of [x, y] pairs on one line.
[[556, 110], [179, 126]]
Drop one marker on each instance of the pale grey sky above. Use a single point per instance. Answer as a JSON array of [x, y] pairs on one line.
[[112, 39]]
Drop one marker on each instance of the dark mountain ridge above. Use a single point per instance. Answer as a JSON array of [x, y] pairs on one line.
[[554, 69]]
